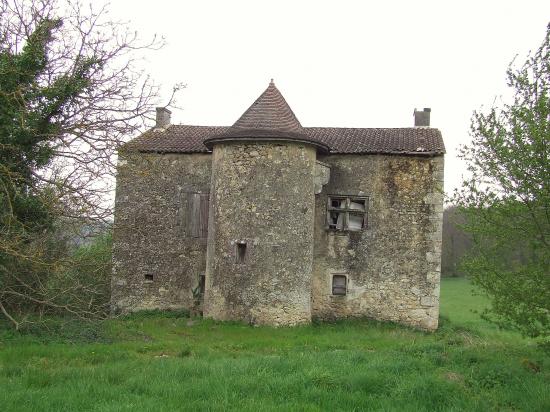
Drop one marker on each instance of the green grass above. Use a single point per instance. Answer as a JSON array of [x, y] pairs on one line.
[[165, 362]]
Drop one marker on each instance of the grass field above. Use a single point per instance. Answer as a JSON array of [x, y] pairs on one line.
[[165, 362]]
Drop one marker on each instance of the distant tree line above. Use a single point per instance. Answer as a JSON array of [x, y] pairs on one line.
[[456, 242]]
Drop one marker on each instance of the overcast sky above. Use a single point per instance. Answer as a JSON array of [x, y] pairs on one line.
[[340, 63]]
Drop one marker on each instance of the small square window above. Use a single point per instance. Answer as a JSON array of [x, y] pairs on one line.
[[148, 277], [339, 285]]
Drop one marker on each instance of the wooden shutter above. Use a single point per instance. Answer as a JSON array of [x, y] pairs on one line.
[[197, 214], [203, 218], [193, 210]]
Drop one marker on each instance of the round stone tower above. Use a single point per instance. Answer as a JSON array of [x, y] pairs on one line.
[[260, 234]]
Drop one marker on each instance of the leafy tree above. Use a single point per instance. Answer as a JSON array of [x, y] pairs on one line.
[[506, 200], [70, 93]]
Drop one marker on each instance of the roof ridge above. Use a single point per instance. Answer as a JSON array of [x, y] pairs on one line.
[[319, 127], [198, 125], [371, 128]]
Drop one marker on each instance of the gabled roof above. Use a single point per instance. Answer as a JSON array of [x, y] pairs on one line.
[[270, 117], [425, 141]]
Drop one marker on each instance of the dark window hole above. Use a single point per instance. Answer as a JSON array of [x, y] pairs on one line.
[[339, 285], [241, 252]]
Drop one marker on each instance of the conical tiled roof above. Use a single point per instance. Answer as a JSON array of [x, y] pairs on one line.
[[269, 117], [270, 111]]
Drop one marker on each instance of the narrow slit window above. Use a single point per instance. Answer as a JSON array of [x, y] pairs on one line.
[[240, 255], [339, 285], [202, 282]]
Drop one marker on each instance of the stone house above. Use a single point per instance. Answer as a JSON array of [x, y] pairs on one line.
[[270, 222]]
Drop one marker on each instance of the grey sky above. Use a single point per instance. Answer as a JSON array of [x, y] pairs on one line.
[[340, 63]]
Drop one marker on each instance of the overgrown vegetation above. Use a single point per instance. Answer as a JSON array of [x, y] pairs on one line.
[[168, 361], [70, 93], [76, 290], [506, 200]]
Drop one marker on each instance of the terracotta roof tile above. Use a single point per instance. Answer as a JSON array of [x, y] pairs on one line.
[[174, 139], [410, 140], [270, 111]]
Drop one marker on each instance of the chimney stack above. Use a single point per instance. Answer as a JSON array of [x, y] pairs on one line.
[[163, 117], [422, 117]]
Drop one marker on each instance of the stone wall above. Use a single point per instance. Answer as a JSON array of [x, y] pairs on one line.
[[157, 261], [393, 266], [262, 195]]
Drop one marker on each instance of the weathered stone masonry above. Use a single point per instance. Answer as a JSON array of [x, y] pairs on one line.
[[392, 266], [247, 211], [156, 262], [262, 198]]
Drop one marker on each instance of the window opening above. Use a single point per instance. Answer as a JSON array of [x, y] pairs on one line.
[[337, 203], [336, 221], [357, 204], [149, 277], [202, 282], [356, 221], [347, 213], [339, 285], [240, 254]]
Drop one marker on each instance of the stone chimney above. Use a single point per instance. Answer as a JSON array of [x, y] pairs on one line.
[[422, 117], [163, 117]]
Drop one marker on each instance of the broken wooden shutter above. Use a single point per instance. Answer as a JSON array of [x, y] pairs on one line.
[[203, 218], [197, 221]]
